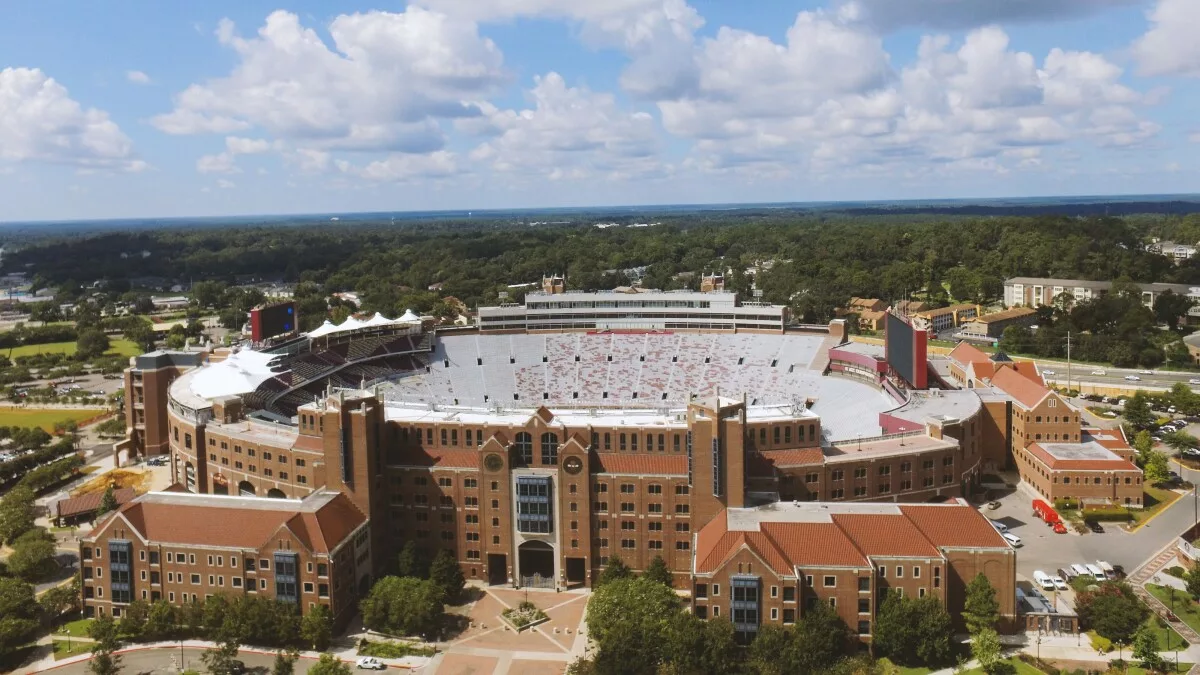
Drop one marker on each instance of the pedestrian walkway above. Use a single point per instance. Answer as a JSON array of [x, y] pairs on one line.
[[1148, 573]]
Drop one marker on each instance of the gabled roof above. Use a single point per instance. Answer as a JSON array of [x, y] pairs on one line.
[[790, 458], [321, 521], [659, 465], [966, 353], [841, 534], [1023, 390], [76, 506]]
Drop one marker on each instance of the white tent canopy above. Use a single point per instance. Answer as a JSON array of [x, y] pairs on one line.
[[351, 323]]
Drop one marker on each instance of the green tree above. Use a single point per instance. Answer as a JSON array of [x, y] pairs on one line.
[[16, 513], [1180, 440], [133, 619], [161, 621], [316, 628], [18, 614], [219, 660], [1170, 307], [60, 599], [91, 344], [448, 575], [628, 619], [412, 561], [1143, 442], [329, 664], [285, 662], [1112, 610], [1156, 467], [657, 571], [614, 568], [985, 647], [105, 660], [1193, 582], [1145, 650], [980, 609], [1137, 411], [403, 605], [108, 502], [914, 631], [1177, 354], [32, 556]]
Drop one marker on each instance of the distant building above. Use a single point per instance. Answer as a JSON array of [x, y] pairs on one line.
[[170, 302], [943, 318], [910, 307], [1036, 292], [993, 325], [1173, 250], [554, 284], [712, 282]]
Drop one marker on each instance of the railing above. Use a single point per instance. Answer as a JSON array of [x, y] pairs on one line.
[[537, 581]]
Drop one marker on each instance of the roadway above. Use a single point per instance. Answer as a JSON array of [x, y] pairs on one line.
[[1114, 377]]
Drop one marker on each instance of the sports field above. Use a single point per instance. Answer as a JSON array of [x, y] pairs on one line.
[[120, 347], [43, 417]]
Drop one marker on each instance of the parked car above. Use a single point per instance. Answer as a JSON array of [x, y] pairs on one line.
[[1095, 526], [1000, 527], [1012, 539], [1059, 584], [370, 663], [1043, 580], [237, 667], [1066, 573], [993, 505]]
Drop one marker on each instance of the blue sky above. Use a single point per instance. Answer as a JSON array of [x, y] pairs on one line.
[[145, 109]]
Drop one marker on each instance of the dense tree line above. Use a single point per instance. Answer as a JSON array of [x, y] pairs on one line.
[[819, 260]]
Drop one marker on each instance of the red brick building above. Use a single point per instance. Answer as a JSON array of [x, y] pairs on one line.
[[771, 564], [182, 547]]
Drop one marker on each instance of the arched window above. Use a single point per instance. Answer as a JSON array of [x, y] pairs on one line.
[[549, 448], [525, 447]]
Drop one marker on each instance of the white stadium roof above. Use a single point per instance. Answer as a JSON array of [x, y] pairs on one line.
[[242, 372], [352, 323]]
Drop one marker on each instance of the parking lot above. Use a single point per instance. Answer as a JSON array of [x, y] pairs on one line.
[[1044, 550]]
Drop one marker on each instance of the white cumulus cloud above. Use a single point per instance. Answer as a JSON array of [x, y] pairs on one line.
[[39, 121], [137, 77], [382, 85], [1170, 46], [226, 162], [569, 131]]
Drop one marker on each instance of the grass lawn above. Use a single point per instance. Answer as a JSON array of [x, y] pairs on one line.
[[77, 647], [889, 667], [119, 347], [1156, 499], [76, 628], [1187, 611], [43, 417], [1022, 668], [1183, 668], [1163, 632]]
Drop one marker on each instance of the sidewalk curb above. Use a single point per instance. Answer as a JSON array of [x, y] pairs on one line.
[[81, 658]]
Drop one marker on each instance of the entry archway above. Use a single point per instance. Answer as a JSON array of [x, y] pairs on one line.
[[536, 562], [246, 489], [276, 493]]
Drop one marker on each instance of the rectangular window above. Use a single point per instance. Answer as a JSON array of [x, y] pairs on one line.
[[120, 557], [286, 567], [533, 504], [830, 581], [744, 607]]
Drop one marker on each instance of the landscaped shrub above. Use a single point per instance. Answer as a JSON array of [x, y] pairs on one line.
[[1176, 571]]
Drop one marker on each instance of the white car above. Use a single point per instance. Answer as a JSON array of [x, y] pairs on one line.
[[1048, 372], [1099, 372], [1000, 527], [1059, 584], [1133, 378], [1012, 539], [1146, 372], [1194, 381], [370, 663]]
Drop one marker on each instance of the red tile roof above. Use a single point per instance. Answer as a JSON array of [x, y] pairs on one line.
[[1028, 369], [77, 506], [966, 353], [660, 465], [848, 538], [1024, 390], [227, 522], [953, 527], [795, 457], [796, 541], [885, 535]]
